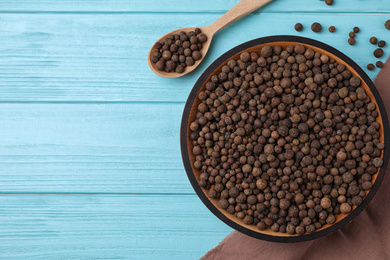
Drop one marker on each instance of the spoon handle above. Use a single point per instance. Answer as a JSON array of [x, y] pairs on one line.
[[240, 10]]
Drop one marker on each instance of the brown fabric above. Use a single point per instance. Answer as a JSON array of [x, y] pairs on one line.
[[366, 237]]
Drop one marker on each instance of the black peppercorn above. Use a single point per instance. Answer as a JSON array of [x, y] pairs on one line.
[[160, 65], [379, 64], [316, 27], [377, 162], [351, 41], [370, 66], [298, 27], [373, 40], [329, 2], [387, 24], [356, 29], [378, 53], [202, 38], [332, 29], [381, 44], [196, 55]]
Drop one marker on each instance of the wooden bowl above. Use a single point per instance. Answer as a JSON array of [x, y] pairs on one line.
[[189, 115]]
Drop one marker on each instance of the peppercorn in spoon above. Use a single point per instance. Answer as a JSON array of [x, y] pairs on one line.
[[179, 52]]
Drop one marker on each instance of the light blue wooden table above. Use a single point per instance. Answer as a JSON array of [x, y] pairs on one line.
[[90, 164]]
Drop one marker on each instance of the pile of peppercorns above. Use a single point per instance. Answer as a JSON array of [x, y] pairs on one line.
[[179, 51], [286, 139]]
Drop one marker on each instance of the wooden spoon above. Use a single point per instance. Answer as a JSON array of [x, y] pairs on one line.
[[240, 10]]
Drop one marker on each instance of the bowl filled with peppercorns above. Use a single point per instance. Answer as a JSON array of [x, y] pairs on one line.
[[283, 138]]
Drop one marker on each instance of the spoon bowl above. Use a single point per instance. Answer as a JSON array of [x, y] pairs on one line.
[[205, 29], [240, 10]]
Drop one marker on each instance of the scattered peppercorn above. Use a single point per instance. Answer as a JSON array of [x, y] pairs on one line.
[[316, 27], [373, 40], [351, 41], [379, 64], [370, 66], [387, 24], [178, 51], [332, 29], [329, 2], [356, 29], [378, 53], [286, 139], [298, 27], [352, 34], [381, 44]]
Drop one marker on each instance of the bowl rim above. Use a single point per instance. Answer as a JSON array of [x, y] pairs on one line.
[[184, 145]]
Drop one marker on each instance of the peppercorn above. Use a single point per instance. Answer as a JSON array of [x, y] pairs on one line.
[[345, 208], [351, 41], [248, 220], [326, 203], [160, 65], [352, 34], [196, 55], [298, 27], [378, 53], [266, 51], [316, 27], [356, 29], [343, 92], [332, 29], [373, 40], [381, 44], [261, 184], [299, 230], [370, 66], [379, 64], [387, 24], [223, 203], [366, 185], [329, 2], [378, 162], [261, 225], [202, 37]]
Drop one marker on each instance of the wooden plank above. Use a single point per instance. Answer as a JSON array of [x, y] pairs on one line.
[[202, 6], [107, 227], [91, 148], [102, 57]]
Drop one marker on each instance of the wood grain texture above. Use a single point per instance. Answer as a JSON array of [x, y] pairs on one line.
[[102, 57], [91, 148], [200, 6], [106, 227], [80, 109]]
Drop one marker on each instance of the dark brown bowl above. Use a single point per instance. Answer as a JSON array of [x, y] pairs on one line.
[[189, 115]]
